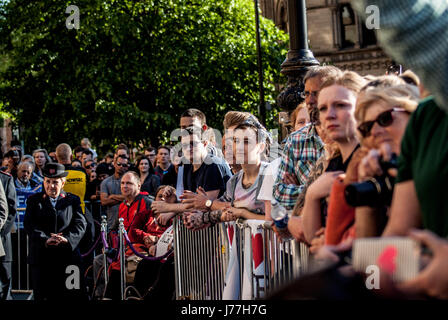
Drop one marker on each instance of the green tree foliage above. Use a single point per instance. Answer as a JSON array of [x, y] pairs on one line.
[[132, 68]]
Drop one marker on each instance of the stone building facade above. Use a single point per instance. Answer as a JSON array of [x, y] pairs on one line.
[[336, 35]]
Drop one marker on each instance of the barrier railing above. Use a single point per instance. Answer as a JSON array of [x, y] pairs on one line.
[[20, 272], [284, 260], [263, 262], [122, 249], [201, 259], [105, 248], [124, 241]]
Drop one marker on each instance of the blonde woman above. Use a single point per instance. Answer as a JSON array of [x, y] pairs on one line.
[[336, 104], [382, 115]]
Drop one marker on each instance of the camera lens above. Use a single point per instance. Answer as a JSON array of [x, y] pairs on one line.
[[361, 194]]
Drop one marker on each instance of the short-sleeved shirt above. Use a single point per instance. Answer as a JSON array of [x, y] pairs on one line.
[[180, 181], [111, 185], [424, 159], [211, 175], [338, 164]]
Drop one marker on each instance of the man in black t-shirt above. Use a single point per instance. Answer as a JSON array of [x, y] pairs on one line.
[[203, 170]]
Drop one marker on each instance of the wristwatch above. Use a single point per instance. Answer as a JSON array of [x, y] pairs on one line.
[[208, 204]]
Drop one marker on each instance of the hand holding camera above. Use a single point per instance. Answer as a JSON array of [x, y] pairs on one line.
[[377, 171], [370, 165]]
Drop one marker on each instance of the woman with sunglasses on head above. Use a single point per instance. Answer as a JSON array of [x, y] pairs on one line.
[[149, 180], [382, 114]]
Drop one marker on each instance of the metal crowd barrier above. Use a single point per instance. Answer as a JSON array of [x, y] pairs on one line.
[[202, 258], [284, 260], [20, 273]]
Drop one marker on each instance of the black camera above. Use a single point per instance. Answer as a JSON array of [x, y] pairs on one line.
[[376, 191]]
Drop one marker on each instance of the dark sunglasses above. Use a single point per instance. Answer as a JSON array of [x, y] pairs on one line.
[[384, 119], [90, 166], [124, 165]]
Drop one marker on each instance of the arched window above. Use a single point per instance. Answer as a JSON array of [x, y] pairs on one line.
[[282, 16], [284, 19], [349, 35]]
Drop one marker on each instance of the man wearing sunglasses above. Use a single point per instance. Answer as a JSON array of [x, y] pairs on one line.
[[111, 196], [90, 166]]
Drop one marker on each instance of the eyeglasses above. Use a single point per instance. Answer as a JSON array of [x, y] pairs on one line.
[[90, 166], [124, 165], [306, 94], [384, 119]]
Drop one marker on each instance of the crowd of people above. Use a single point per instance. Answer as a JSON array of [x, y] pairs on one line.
[[365, 158], [352, 126]]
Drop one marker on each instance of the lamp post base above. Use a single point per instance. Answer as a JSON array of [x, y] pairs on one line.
[[295, 67]]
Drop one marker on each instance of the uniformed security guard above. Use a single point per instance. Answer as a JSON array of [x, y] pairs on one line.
[[55, 224]]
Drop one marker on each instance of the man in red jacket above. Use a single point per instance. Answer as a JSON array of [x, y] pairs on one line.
[[139, 222]]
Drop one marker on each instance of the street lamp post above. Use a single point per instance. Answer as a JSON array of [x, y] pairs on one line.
[[261, 107], [298, 59]]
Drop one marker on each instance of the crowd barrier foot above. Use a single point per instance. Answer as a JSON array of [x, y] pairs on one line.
[[22, 295]]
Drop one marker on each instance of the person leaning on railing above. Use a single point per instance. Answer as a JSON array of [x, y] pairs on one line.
[[382, 114], [136, 212], [240, 200], [204, 173], [336, 105]]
